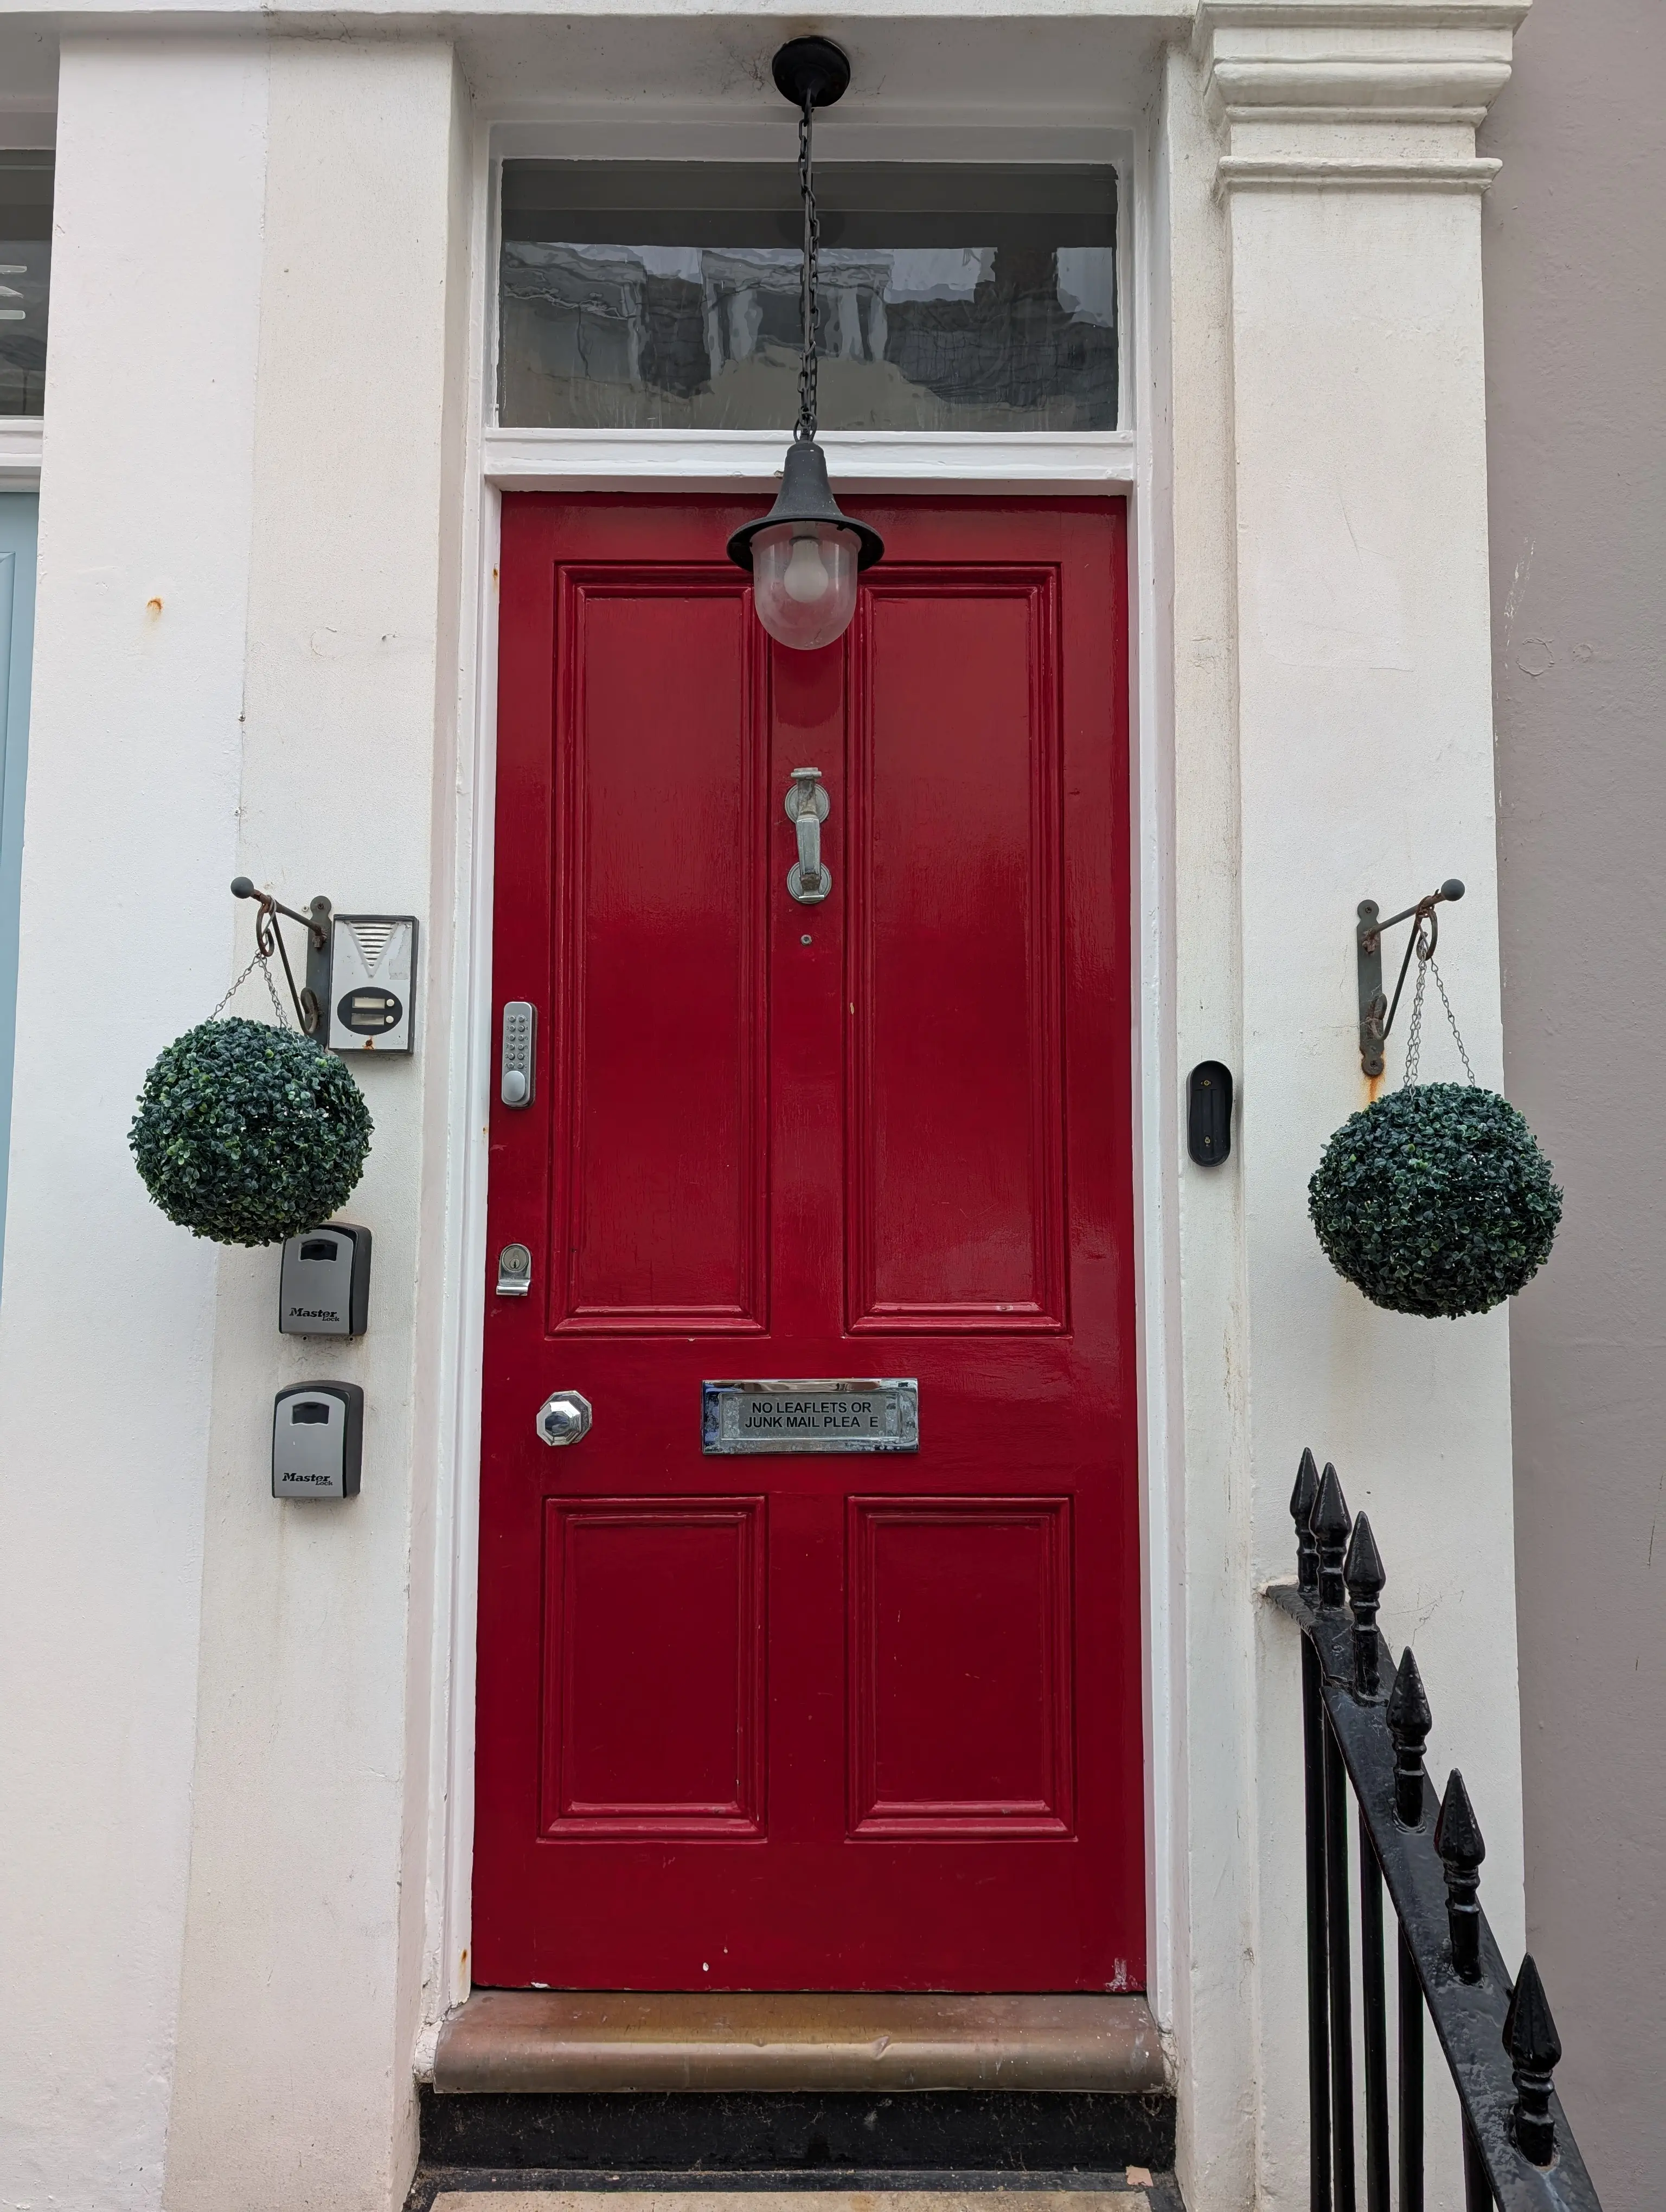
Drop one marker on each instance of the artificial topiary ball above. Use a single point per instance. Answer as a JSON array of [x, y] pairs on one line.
[[1435, 1199], [248, 1134]]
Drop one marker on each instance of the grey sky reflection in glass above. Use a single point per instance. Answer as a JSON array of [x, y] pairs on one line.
[[664, 295]]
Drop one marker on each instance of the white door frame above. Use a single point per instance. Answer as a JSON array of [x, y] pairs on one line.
[[1117, 465]]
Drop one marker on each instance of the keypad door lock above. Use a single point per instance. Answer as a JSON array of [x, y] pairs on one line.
[[514, 1085], [563, 1418]]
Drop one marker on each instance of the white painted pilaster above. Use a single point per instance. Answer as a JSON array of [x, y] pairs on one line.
[[106, 1332], [1345, 171], [303, 1953]]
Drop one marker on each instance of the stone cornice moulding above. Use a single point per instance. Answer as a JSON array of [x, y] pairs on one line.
[[1237, 171], [1360, 15], [1354, 95]]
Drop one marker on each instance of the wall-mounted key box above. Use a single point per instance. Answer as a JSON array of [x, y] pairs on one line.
[[323, 1284], [318, 1434], [373, 982]]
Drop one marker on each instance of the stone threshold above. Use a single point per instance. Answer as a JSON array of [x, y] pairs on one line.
[[841, 2200], [547, 2040]]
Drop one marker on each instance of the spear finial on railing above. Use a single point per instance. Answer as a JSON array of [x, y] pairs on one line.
[[1362, 1572], [1409, 1722], [1301, 1499], [1536, 2052], [1458, 1840], [1331, 1523]]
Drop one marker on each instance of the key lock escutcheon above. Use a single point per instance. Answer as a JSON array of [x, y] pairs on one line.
[[808, 880]]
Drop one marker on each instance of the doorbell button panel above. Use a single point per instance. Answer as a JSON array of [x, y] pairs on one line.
[[323, 1282], [563, 1418], [318, 1435], [514, 1272], [1209, 1113], [520, 1044], [373, 982]]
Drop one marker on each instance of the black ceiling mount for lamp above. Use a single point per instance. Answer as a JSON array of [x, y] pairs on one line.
[[805, 554]]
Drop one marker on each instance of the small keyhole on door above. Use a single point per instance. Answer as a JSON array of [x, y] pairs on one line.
[[804, 940]]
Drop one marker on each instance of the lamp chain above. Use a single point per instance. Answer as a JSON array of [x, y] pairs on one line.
[[806, 432]]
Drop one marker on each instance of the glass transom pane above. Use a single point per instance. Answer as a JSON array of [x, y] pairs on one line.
[[25, 262], [664, 295]]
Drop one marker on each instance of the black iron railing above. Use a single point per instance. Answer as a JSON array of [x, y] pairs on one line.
[[1365, 1726]]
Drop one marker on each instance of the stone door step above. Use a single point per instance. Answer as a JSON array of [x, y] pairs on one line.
[[533, 2040], [819, 2200]]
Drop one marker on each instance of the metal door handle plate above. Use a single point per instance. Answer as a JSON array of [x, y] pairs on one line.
[[807, 804]]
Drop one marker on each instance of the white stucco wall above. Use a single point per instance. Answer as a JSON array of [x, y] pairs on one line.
[[303, 1940], [1333, 742], [106, 1342], [259, 417]]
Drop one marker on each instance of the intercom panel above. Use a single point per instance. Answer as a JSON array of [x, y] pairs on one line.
[[323, 1282], [1209, 1113], [318, 1435], [373, 982]]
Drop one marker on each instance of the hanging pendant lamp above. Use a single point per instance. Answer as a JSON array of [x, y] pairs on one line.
[[805, 554]]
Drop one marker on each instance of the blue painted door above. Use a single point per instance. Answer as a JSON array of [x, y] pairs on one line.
[[17, 542]]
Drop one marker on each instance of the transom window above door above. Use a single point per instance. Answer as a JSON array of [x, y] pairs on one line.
[[664, 295]]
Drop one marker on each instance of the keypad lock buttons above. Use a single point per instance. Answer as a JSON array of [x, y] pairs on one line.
[[520, 1037]]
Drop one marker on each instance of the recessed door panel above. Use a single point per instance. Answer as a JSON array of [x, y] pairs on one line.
[[654, 1632], [956, 1155], [659, 973], [961, 1696], [826, 1718]]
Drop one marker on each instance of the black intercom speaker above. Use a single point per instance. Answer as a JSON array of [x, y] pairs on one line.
[[1209, 1113]]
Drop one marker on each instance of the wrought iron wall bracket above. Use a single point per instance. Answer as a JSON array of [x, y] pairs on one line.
[[1376, 1012], [309, 1001]]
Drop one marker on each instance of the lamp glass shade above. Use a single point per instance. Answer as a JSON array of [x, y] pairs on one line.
[[804, 581]]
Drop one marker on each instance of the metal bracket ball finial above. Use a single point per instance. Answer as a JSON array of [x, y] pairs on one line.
[[810, 72]]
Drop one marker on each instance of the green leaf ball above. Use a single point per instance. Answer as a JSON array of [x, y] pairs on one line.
[[248, 1134], [1435, 1199]]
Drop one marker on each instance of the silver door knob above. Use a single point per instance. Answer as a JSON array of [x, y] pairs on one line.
[[563, 1418]]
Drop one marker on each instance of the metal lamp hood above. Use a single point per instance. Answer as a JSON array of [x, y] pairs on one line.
[[806, 496]]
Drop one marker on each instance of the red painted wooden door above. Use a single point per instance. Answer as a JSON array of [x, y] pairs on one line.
[[822, 1722]]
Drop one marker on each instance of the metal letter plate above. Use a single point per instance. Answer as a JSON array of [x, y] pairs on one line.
[[840, 1415]]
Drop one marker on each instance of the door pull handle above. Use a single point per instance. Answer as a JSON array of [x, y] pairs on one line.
[[807, 803]]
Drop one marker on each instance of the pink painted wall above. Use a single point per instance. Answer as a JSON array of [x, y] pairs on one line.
[[1576, 332]]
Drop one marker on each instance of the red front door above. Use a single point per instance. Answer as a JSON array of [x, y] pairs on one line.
[[864, 1720]]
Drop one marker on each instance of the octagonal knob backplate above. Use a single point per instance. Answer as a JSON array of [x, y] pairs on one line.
[[563, 1418]]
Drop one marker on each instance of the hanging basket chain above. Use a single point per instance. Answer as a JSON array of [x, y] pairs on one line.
[[266, 941], [806, 432], [1426, 965]]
